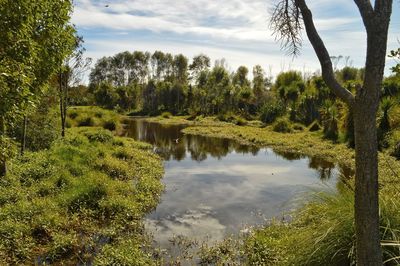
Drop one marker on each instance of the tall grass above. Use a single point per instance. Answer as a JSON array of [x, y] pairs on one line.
[[75, 203]]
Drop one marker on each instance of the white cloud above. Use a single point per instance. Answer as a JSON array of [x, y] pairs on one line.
[[236, 30]]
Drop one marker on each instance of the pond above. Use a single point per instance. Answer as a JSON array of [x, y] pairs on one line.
[[216, 187]]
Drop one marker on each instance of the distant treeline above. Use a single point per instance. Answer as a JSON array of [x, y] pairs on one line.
[[150, 84]]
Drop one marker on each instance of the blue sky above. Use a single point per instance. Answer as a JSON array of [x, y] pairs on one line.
[[236, 30]]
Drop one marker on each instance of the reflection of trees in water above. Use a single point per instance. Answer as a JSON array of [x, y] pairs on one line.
[[172, 144], [323, 167], [290, 156]]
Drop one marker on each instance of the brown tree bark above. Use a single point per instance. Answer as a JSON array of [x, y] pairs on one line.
[[63, 107], [23, 140], [364, 105], [3, 162]]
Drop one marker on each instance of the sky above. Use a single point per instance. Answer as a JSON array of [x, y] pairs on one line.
[[237, 30]]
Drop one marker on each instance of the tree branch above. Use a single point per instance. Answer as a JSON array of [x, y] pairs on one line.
[[323, 55], [366, 10]]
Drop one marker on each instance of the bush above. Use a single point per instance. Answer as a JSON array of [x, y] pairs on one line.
[[240, 121], [232, 118], [73, 114], [86, 122], [110, 125], [116, 168], [166, 115], [298, 127], [98, 114], [282, 125], [315, 126], [86, 196], [396, 151], [271, 111], [100, 136]]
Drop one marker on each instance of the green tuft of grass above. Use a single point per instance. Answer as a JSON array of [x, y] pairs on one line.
[[88, 192]]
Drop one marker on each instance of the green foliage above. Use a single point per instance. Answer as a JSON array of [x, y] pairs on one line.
[[395, 54], [330, 120], [271, 110], [287, 78], [282, 125], [110, 125], [349, 74], [61, 204], [314, 126], [396, 151], [232, 118], [99, 135], [29, 28], [166, 115], [128, 252], [86, 122], [391, 86], [94, 116]]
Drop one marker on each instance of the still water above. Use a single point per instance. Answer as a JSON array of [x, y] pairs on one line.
[[215, 187]]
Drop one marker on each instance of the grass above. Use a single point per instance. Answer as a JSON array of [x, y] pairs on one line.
[[93, 116], [81, 201]]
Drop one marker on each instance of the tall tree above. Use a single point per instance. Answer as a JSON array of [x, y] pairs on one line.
[[200, 63], [259, 86], [31, 45], [70, 74], [286, 22]]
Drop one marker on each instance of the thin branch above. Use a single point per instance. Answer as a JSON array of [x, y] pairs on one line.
[[286, 26]]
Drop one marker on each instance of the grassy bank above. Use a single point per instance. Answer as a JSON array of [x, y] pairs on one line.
[[82, 200], [320, 233]]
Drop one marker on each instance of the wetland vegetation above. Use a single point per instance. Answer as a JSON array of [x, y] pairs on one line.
[[164, 160]]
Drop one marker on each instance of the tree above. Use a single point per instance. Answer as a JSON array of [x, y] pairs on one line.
[[31, 45], [259, 86], [70, 74], [200, 63], [286, 23]]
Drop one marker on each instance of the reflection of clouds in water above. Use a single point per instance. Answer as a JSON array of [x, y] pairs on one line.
[[243, 170], [198, 223], [215, 186]]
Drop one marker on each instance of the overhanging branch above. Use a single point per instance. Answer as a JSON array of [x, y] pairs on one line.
[[323, 55]]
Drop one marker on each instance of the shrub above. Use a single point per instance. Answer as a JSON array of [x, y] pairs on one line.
[[396, 151], [110, 125], [240, 121], [73, 114], [98, 114], [86, 122], [86, 196], [100, 136], [282, 125], [166, 115], [116, 168], [298, 127], [271, 111], [315, 126]]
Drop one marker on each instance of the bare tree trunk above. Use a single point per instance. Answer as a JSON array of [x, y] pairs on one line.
[[3, 162], [62, 103], [366, 186], [23, 140]]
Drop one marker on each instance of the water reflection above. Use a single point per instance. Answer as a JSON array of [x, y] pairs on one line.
[[171, 144], [215, 186]]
